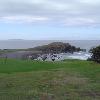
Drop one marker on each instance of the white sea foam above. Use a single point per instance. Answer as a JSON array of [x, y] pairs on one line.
[[76, 55]]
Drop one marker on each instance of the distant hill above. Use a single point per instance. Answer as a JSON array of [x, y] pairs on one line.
[[15, 40], [57, 47]]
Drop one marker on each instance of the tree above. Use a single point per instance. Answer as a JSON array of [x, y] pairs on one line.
[[95, 54]]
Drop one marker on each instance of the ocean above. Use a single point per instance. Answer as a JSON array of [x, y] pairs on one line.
[[24, 44]]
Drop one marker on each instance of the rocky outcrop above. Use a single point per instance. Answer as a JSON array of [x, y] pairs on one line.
[[57, 47]]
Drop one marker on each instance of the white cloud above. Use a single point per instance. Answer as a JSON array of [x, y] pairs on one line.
[[79, 21], [90, 1], [72, 12], [21, 19]]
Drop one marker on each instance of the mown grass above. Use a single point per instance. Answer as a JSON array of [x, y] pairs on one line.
[[36, 80]]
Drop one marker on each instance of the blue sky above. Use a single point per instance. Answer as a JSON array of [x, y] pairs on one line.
[[50, 19]]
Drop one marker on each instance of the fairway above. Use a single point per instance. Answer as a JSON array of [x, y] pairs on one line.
[[37, 80]]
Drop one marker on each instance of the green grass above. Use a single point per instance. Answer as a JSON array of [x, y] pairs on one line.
[[10, 51], [36, 80]]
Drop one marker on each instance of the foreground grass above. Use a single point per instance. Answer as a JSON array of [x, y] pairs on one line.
[[65, 80]]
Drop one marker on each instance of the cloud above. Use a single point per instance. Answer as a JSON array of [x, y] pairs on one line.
[[79, 21], [65, 12], [22, 19], [90, 1]]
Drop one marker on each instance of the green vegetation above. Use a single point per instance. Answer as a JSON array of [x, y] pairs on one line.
[[57, 47], [35, 80], [9, 50], [95, 54]]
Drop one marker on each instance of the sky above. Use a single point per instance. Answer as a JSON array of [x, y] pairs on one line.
[[50, 19]]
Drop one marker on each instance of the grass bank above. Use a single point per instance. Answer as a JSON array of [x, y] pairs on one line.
[[36, 80]]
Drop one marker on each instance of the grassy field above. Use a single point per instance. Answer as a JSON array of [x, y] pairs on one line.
[[10, 51], [34, 80]]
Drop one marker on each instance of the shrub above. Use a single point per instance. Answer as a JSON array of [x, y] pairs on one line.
[[95, 54]]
